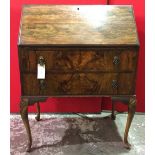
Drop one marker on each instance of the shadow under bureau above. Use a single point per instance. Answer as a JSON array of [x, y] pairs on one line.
[[84, 50]]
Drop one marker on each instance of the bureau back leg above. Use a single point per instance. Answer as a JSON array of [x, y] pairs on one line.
[[131, 112], [24, 116], [113, 117], [38, 111]]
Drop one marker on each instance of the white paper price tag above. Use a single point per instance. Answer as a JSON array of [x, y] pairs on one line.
[[41, 72]]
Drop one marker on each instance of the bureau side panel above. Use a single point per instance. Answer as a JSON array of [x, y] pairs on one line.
[[20, 59]]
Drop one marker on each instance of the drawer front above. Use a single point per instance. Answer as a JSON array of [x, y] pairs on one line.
[[78, 84], [72, 60]]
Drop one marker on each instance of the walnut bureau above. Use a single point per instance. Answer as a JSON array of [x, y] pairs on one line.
[[82, 50]]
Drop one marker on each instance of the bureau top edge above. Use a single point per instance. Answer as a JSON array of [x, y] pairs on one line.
[[79, 46], [84, 25]]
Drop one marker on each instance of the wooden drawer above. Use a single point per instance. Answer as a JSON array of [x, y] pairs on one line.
[[72, 59], [79, 84]]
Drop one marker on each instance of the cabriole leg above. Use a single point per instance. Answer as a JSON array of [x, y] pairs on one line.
[[38, 111], [131, 112], [24, 116]]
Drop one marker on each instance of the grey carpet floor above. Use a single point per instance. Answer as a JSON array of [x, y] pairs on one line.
[[72, 134]]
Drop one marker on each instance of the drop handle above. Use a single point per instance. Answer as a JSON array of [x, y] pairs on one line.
[[41, 61], [42, 84], [114, 84], [116, 60]]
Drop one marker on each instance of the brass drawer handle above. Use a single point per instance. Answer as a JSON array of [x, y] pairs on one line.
[[114, 84], [116, 60], [42, 84], [41, 61]]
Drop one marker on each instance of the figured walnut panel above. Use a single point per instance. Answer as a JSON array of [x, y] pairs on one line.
[[77, 25], [30, 85], [80, 60], [126, 83], [79, 84]]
